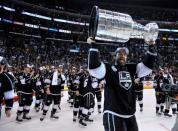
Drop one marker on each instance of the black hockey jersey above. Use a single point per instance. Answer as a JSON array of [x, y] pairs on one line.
[[72, 82], [6, 89], [38, 82], [87, 84], [25, 83], [158, 79], [119, 89]]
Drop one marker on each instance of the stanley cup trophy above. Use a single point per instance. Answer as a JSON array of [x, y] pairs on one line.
[[118, 27]]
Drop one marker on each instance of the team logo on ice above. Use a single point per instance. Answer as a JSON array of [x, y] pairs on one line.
[[125, 80]]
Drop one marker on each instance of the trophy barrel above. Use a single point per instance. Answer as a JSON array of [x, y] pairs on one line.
[[110, 26], [118, 27]]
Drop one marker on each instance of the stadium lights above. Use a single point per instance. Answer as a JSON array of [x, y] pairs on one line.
[[36, 15], [55, 19], [46, 17], [166, 30], [69, 22], [9, 9], [53, 30], [65, 31], [31, 26], [169, 30], [74, 50], [43, 28], [7, 21], [36, 26], [18, 23], [22, 34], [176, 31]]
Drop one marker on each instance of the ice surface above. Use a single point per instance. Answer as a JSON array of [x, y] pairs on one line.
[[147, 120]]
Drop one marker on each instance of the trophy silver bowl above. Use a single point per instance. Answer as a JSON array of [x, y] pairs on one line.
[[118, 27]]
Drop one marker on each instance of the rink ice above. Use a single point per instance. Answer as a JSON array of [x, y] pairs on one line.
[[147, 120]]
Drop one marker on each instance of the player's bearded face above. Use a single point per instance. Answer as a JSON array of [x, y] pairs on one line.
[[121, 58]]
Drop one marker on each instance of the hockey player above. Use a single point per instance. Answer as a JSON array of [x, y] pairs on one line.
[[6, 87], [120, 103], [87, 84], [167, 79], [71, 83], [98, 93], [77, 88], [39, 84], [10, 71], [175, 127], [160, 95], [54, 87], [61, 71], [139, 91], [24, 92]]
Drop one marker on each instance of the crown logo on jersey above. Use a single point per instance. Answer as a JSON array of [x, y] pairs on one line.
[[125, 80]]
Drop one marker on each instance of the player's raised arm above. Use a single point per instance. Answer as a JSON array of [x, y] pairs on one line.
[[95, 67], [145, 67]]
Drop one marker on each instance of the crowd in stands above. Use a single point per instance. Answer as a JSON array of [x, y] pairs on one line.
[[21, 50]]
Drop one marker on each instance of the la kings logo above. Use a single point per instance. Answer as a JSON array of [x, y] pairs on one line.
[[125, 80]]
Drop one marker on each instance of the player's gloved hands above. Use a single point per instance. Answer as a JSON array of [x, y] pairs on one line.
[[150, 42], [90, 40]]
